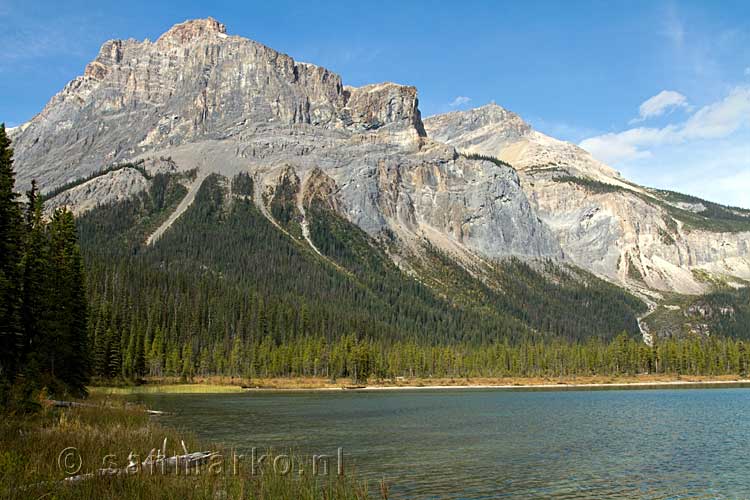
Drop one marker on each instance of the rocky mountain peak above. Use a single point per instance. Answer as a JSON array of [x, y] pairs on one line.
[[194, 84], [494, 113], [477, 125], [494, 131], [191, 30], [218, 104]]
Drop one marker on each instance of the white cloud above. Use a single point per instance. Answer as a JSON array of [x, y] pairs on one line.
[[720, 118], [666, 100], [714, 121], [716, 170], [631, 144], [459, 101]]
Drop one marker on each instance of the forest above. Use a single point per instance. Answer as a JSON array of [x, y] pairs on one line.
[[225, 292], [43, 304]]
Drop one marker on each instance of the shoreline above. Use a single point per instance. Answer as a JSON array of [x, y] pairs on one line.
[[319, 385], [549, 387], [563, 386]]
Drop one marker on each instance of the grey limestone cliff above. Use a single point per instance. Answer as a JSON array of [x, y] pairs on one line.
[[219, 103], [603, 222]]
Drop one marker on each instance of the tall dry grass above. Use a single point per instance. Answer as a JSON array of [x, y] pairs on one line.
[[104, 435]]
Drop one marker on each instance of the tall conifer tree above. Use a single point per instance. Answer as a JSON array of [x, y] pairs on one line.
[[10, 258], [36, 297]]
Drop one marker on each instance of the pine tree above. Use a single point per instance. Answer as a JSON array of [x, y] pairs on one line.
[[70, 306], [36, 296], [155, 357], [128, 360], [139, 366], [187, 361], [114, 357], [235, 357], [11, 342], [100, 354]]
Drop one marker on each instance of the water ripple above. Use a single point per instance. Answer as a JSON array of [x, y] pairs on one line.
[[656, 444]]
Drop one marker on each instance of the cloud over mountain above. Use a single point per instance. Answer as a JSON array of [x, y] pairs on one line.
[[661, 103]]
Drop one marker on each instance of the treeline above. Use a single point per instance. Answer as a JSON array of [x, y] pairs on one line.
[[359, 358], [43, 306]]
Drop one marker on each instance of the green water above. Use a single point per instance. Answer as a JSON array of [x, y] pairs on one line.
[[496, 444]]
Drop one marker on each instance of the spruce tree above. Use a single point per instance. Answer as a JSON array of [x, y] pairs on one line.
[[11, 343], [114, 354], [70, 359], [36, 297], [100, 354], [139, 366]]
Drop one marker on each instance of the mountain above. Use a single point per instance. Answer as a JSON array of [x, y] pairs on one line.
[[211, 162], [634, 236], [225, 104]]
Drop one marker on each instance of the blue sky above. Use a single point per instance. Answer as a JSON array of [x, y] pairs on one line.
[[660, 90]]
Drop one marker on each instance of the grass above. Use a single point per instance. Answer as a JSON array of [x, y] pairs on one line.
[[30, 446], [166, 389]]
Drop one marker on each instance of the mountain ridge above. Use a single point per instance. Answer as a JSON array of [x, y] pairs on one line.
[[199, 99], [254, 109]]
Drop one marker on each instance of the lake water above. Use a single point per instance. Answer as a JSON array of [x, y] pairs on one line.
[[496, 444]]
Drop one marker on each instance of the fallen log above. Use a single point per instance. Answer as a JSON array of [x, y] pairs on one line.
[[70, 404], [152, 462]]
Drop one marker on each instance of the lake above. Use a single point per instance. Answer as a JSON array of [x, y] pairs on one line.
[[472, 444]]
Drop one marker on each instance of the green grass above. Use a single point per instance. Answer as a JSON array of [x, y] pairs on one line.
[[166, 389], [30, 446]]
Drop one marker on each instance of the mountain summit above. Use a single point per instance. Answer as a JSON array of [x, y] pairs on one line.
[[192, 29], [226, 104], [479, 185]]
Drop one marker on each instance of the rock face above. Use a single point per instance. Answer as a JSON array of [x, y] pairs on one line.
[[219, 103], [603, 222]]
